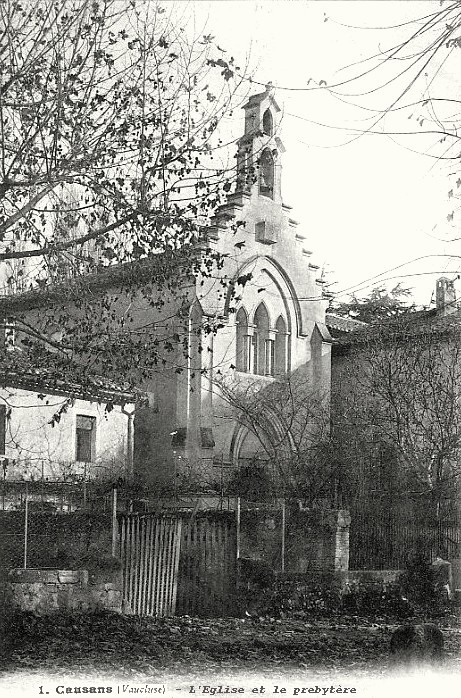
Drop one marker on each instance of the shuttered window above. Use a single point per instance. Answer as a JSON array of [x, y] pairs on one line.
[[85, 438]]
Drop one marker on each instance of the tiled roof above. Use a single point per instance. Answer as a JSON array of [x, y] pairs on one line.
[[150, 270], [343, 324], [94, 387], [406, 326]]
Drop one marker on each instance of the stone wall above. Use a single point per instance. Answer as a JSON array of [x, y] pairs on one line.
[[316, 541], [385, 577], [44, 591]]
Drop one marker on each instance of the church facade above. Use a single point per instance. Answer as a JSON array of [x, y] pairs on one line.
[[274, 323], [261, 317]]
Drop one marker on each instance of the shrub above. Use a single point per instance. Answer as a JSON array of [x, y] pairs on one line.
[[255, 573], [300, 598], [96, 561], [417, 582], [372, 597]]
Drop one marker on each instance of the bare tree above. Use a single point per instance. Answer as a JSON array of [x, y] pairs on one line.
[[408, 90], [397, 393], [289, 419]]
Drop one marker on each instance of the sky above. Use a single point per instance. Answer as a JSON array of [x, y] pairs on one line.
[[366, 204]]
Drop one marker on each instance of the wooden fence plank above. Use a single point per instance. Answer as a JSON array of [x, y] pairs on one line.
[[169, 567], [177, 552], [133, 562], [173, 564], [135, 569], [123, 552], [160, 570], [169, 562], [146, 607], [142, 556]]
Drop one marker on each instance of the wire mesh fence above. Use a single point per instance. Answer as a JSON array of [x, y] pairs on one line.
[[55, 524], [389, 537], [54, 496], [58, 524], [47, 523]]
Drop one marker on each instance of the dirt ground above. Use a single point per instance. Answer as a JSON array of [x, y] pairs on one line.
[[184, 653]]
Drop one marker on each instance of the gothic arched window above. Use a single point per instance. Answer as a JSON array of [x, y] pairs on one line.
[[266, 173], [268, 123], [242, 342], [281, 340], [263, 346]]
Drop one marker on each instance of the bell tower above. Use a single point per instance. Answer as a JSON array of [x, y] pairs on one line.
[[259, 150]]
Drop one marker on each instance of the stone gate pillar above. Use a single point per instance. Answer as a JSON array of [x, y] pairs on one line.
[[343, 523]]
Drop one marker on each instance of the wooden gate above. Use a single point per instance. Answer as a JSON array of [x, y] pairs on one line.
[[178, 563], [149, 551], [208, 565]]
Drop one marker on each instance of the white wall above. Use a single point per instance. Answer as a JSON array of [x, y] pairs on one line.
[[41, 449]]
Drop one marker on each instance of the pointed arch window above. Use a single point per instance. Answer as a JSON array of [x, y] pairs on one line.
[[281, 343], [268, 123], [242, 342], [262, 344], [266, 173], [245, 169]]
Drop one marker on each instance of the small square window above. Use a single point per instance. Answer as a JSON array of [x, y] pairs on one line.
[[265, 232], [260, 230]]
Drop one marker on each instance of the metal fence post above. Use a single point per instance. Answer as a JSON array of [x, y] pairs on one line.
[[84, 485], [26, 525], [238, 527], [283, 535], [114, 522]]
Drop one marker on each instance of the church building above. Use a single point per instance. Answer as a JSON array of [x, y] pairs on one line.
[[261, 317], [274, 324]]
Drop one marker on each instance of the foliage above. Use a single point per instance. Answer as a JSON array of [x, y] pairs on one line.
[[417, 583], [109, 114], [95, 560], [374, 598], [411, 595], [255, 573], [378, 306], [327, 597], [293, 598], [252, 482], [104, 120]]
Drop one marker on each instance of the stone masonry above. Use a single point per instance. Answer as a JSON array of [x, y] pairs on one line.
[[44, 591]]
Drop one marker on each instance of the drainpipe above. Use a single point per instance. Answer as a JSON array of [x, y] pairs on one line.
[[130, 442]]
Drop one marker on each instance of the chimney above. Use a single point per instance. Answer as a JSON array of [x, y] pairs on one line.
[[445, 296]]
